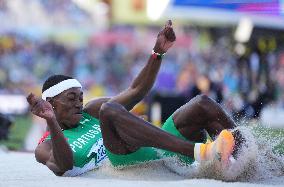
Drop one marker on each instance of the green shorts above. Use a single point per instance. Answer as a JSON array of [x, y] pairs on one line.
[[142, 155], [169, 126], [145, 154]]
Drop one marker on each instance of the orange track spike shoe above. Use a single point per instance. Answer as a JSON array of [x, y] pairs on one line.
[[221, 149]]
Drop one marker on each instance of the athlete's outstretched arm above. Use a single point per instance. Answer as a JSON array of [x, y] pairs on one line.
[[142, 84], [55, 154]]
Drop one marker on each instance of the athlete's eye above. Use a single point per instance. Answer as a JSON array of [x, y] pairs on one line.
[[71, 98]]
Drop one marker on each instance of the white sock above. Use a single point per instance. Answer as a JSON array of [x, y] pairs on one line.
[[197, 156]]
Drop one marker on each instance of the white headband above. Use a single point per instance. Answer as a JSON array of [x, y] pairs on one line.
[[60, 87]]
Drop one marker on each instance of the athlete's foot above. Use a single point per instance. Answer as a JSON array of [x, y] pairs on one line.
[[221, 149]]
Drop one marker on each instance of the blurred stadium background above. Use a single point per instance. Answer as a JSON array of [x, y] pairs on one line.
[[233, 51]]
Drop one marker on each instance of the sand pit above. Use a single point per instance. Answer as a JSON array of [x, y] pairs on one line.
[[257, 166], [21, 169]]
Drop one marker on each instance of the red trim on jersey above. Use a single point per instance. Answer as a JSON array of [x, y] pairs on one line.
[[44, 136]]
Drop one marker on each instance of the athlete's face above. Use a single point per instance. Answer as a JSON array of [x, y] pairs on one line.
[[68, 107]]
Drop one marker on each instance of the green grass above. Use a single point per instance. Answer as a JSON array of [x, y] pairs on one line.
[[18, 132], [271, 133]]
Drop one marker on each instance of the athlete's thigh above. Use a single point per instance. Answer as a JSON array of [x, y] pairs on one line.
[[191, 120], [203, 113], [112, 125]]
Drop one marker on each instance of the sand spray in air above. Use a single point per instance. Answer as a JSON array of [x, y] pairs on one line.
[[255, 162]]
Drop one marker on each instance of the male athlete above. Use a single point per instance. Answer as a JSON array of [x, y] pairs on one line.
[[80, 138]]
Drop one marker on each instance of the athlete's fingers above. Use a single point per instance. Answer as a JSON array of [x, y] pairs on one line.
[[37, 108], [166, 27], [30, 98], [168, 23], [33, 100], [41, 113], [170, 34]]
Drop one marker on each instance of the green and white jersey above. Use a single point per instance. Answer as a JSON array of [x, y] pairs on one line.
[[87, 145]]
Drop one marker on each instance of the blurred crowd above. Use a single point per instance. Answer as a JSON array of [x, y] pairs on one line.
[[42, 14], [200, 62], [46, 37]]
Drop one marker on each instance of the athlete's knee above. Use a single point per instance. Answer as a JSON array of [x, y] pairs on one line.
[[106, 110], [110, 110], [202, 101], [206, 104]]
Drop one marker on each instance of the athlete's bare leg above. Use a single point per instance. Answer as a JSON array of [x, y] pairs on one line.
[[124, 133], [202, 113]]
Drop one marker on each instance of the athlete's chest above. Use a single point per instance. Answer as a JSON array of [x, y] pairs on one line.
[[86, 142]]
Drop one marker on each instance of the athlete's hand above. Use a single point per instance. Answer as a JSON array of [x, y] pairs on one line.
[[165, 39], [40, 107]]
